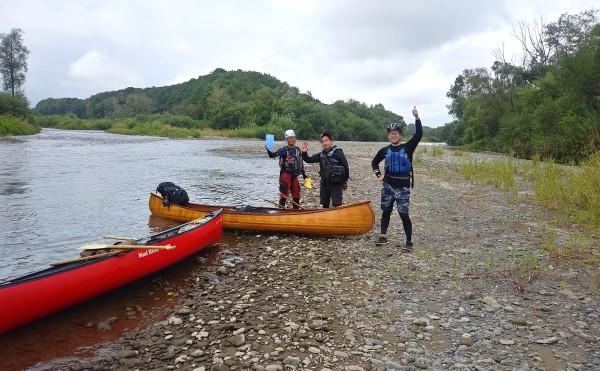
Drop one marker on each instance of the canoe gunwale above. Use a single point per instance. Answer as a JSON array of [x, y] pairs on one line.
[[149, 242], [350, 219]]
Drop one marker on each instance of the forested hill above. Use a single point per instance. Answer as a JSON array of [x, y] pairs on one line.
[[234, 100]]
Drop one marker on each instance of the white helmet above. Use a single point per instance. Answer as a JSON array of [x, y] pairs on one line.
[[289, 134]]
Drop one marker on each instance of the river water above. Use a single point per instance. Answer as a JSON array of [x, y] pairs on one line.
[[63, 189]]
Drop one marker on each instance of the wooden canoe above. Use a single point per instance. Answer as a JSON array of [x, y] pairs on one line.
[[39, 294], [351, 219]]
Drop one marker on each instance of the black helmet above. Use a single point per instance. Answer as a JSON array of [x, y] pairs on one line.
[[394, 126]]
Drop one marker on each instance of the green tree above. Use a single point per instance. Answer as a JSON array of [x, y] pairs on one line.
[[139, 103], [13, 61]]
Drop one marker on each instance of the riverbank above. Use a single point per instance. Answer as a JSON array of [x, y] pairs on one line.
[[494, 282], [11, 125]]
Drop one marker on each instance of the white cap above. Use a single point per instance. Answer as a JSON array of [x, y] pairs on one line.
[[289, 133]]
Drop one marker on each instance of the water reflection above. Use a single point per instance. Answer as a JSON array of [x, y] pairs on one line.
[[63, 189]]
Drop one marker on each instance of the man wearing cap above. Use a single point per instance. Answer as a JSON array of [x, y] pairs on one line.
[[291, 166], [397, 177], [334, 170]]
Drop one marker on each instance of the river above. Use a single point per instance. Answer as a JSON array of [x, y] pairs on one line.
[[63, 189]]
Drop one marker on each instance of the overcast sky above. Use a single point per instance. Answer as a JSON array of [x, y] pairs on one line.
[[398, 53]]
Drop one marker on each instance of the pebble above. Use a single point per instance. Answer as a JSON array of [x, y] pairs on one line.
[[301, 302], [550, 340]]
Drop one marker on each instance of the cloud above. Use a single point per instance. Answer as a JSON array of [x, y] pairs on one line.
[[397, 53], [102, 71]]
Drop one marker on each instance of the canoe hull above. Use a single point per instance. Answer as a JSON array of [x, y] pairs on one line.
[[37, 295], [352, 219]]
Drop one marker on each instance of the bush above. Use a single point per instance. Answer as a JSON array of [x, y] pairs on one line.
[[11, 125], [15, 106]]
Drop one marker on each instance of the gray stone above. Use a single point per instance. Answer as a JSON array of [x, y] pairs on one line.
[[547, 341], [103, 326], [291, 361], [490, 301], [238, 340]]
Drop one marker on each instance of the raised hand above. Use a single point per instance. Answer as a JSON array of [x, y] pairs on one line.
[[304, 147], [415, 112]]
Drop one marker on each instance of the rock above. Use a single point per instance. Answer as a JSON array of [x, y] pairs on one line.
[[547, 341], [103, 326], [197, 353], [316, 324], [239, 331], [373, 342], [519, 321], [468, 296], [421, 322], [506, 342], [175, 320], [237, 340], [129, 362], [314, 350], [291, 361], [466, 339], [222, 270], [184, 310], [273, 368], [128, 353], [489, 301], [462, 348]]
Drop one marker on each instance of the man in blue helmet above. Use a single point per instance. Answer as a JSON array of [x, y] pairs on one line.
[[397, 177]]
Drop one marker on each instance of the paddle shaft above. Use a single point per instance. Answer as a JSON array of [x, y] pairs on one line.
[[86, 258], [275, 203], [119, 238], [123, 246], [290, 200]]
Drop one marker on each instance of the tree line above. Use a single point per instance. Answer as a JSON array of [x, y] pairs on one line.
[[545, 105], [229, 100]]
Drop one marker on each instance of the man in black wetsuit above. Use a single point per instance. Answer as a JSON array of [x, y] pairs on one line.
[[334, 170], [397, 178]]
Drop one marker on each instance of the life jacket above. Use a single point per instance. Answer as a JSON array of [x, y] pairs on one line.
[[292, 162], [332, 170], [398, 165]]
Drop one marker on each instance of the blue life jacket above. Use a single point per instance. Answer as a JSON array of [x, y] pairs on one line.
[[397, 163]]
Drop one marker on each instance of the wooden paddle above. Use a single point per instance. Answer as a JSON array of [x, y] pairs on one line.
[[275, 203], [98, 246], [87, 258], [290, 200], [119, 238]]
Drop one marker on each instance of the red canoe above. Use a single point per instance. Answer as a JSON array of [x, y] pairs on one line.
[[39, 294]]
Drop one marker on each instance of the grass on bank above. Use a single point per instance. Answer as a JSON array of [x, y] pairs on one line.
[[572, 191], [161, 125], [11, 125]]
